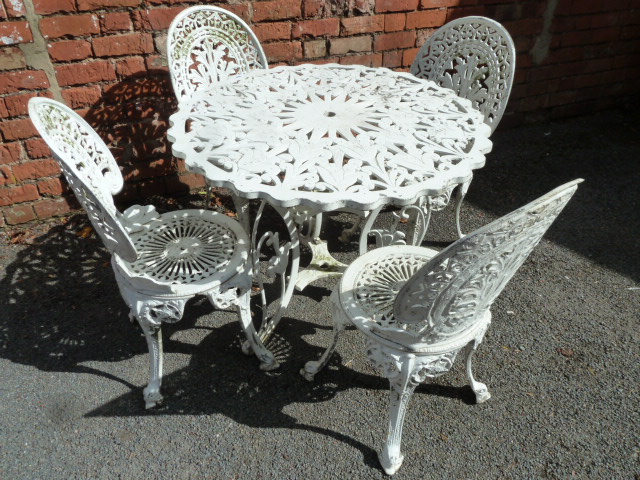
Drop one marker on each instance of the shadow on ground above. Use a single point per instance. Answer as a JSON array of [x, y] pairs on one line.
[[602, 220]]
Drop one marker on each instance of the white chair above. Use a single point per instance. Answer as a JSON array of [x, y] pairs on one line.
[[205, 45], [476, 58], [419, 308], [160, 261]]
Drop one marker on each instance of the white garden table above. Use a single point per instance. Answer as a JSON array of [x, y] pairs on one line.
[[316, 138]]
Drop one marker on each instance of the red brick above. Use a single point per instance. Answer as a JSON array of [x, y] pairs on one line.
[[17, 104], [365, 24], [10, 153], [312, 8], [46, 7], [273, 31], [116, 45], [427, 19], [37, 148], [341, 46], [276, 10], [18, 194], [77, 97], [19, 214], [369, 60], [13, 82], [392, 59], [52, 186], [50, 207], [4, 113], [69, 50], [286, 51], [408, 56], [6, 175], [3, 13], [317, 28], [155, 18], [12, 58], [131, 66], [115, 22], [83, 73], [98, 4], [15, 8], [36, 169], [69, 26], [13, 33], [17, 129], [192, 180], [156, 63], [383, 6], [394, 22], [424, 4], [315, 49], [240, 9], [392, 41]]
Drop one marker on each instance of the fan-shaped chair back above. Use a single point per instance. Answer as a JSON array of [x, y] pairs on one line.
[[206, 44], [89, 167], [476, 58], [445, 298]]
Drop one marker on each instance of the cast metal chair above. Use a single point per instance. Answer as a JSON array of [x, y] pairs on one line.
[[419, 308], [159, 261], [205, 45], [476, 58]]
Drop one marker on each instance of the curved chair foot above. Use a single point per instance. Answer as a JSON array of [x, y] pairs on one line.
[[481, 391], [268, 363], [310, 369], [389, 464], [479, 388], [247, 349], [152, 397]]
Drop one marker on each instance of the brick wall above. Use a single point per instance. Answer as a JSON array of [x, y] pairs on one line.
[[104, 58]]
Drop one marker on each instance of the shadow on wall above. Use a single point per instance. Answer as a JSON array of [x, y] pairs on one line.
[[602, 221], [132, 117]]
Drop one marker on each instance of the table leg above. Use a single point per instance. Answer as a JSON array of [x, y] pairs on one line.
[[281, 268]]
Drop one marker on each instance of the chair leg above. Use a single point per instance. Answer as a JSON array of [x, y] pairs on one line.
[[480, 389], [242, 211], [267, 360], [207, 198], [461, 191], [402, 385], [153, 334], [340, 322]]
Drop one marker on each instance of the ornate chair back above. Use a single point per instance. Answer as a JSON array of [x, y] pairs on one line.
[[476, 58], [88, 166], [444, 300], [206, 44]]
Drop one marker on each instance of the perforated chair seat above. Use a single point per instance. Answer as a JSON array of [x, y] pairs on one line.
[[159, 261], [419, 308]]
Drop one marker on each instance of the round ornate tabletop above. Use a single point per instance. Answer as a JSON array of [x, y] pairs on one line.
[[330, 136]]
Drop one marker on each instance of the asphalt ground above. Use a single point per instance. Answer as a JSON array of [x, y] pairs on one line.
[[560, 358]]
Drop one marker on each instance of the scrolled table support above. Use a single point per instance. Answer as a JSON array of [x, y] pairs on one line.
[[284, 255]]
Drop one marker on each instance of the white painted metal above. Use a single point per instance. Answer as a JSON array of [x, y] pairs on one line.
[[476, 58], [419, 308], [316, 138], [205, 45], [330, 136], [160, 261]]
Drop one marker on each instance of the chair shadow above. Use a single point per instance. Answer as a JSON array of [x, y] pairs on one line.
[[62, 310], [602, 221]]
